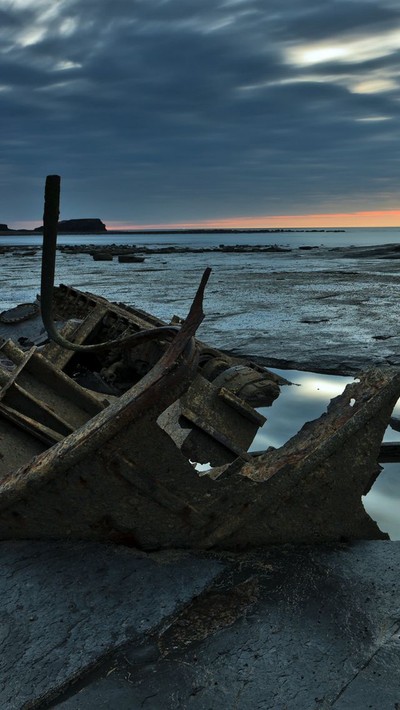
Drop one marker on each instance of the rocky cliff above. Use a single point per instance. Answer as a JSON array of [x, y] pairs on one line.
[[71, 226]]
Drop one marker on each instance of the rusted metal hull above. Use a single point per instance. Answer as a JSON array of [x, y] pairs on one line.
[[121, 477]]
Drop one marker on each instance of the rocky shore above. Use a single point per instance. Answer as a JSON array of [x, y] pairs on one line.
[[310, 308], [322, 309]]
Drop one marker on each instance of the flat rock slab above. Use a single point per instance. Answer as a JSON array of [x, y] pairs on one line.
[[63, 606], [284, 629], [327, 310]]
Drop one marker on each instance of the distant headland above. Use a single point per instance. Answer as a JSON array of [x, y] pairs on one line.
[[94, 225], [91, 225]]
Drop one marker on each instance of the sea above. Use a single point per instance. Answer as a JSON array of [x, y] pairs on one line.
[[296, 404], [363, 236]]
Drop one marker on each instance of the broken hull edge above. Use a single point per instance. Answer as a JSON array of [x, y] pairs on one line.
[[120, 494]]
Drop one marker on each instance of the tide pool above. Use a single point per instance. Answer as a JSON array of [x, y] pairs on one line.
[[306, 399]]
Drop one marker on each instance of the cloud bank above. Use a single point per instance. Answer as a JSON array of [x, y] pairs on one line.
[[162, 111]]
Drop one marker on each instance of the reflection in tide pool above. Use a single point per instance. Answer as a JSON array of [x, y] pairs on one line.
[[305, 400]]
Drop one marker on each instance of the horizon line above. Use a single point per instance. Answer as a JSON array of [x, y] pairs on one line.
[[360, 218]]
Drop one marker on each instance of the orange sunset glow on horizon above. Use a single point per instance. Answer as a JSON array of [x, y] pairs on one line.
[[367, 218]]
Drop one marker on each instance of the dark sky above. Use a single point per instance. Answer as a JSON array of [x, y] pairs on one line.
[[175, 111]]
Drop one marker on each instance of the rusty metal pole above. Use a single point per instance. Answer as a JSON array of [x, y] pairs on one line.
[[50, 222]]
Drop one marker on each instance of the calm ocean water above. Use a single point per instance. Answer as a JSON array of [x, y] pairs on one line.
[[355, 237]]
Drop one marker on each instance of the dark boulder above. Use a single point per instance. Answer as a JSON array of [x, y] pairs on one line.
[[102, 256], [130, 259]]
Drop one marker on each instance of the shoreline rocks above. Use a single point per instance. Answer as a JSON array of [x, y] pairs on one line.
[[306, 310]]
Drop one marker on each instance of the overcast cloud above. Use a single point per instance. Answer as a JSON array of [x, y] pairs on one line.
[[162, 111]]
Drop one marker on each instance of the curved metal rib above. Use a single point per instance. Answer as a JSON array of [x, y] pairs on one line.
[[50, 221]]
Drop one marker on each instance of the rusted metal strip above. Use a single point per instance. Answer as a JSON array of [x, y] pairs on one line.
[[389, 452], [14, 373], [219, 436], [32, 426]]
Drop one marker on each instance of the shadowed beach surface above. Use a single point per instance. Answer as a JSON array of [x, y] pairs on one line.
[[93, 626]]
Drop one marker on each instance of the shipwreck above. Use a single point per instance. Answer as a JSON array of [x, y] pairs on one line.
[[123, 428]]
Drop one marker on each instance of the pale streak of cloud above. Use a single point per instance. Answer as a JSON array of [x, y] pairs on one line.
[[33, 35], [20, 4], [47, 18], [372, 119], [65, 64], [375, 85], [344, 49]]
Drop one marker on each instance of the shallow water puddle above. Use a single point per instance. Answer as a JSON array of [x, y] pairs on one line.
[[306, 399]]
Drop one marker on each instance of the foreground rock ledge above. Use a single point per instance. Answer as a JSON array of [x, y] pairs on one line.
[[286, 627]]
